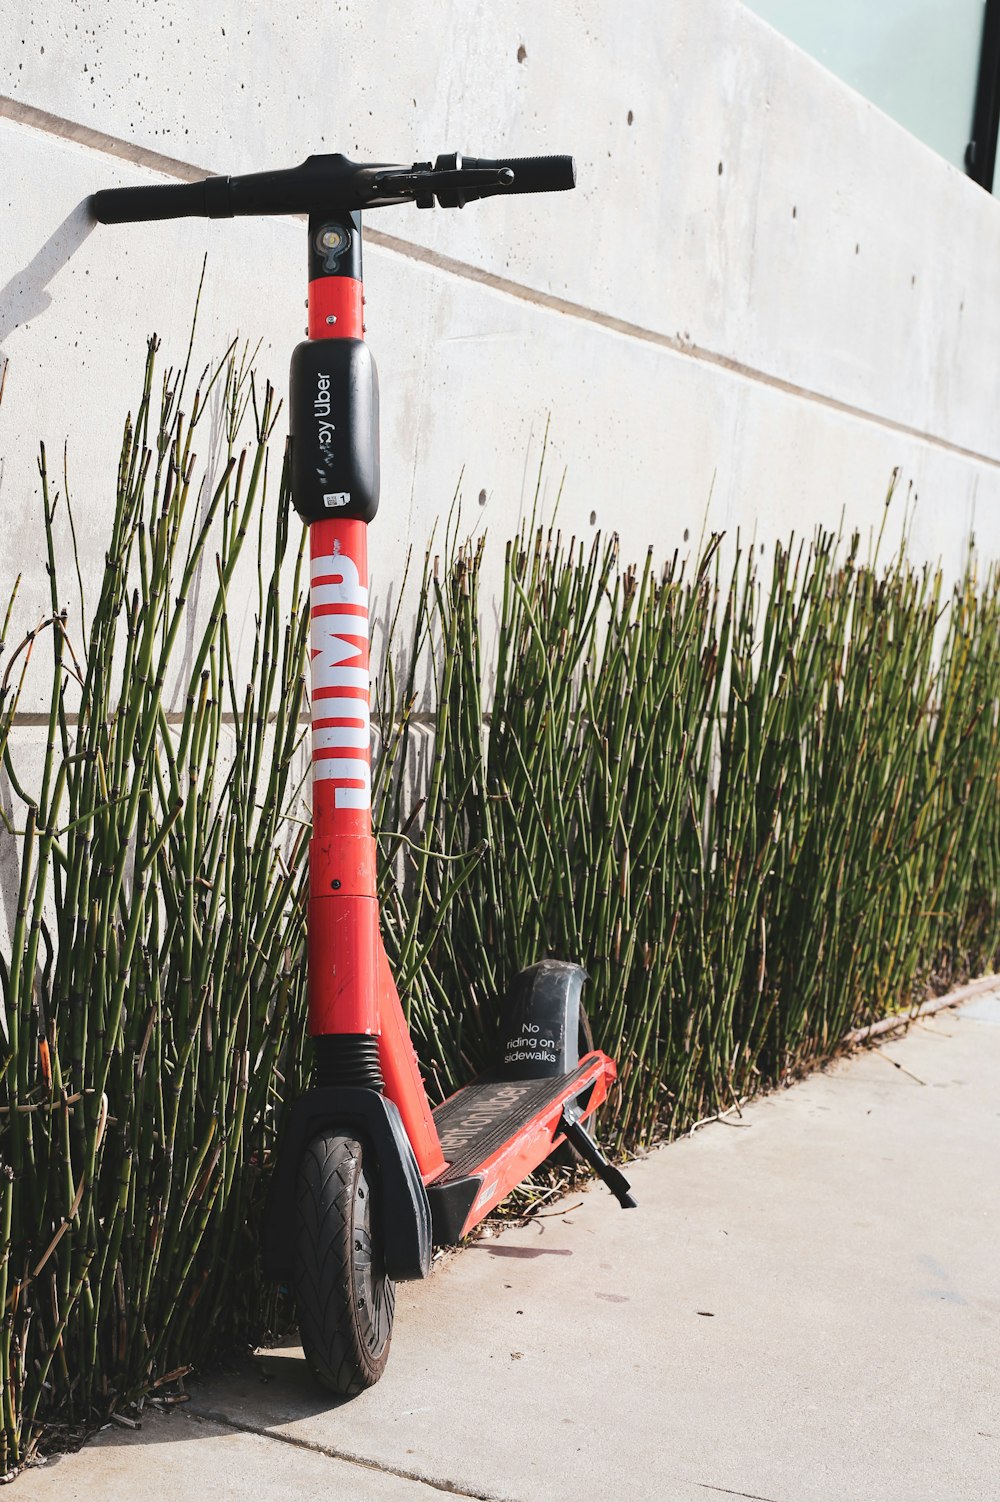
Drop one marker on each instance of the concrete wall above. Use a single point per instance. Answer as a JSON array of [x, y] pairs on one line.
[[763, 296]]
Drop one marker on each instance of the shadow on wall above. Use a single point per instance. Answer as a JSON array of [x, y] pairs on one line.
[[26, 294], [23, 298]]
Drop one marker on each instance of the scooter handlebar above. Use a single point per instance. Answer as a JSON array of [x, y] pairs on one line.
[[333, 184]]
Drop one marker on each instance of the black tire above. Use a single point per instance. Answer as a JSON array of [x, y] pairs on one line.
[[344, 1300], [565, 1155], [584, 1033]]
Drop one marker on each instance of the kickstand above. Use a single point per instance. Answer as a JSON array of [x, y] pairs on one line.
[[577, 1136]]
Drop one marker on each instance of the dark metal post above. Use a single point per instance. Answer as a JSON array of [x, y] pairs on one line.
[[981, 152]]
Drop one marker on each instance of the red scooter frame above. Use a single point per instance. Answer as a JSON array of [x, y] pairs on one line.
[[368, 1175], [351, 989]]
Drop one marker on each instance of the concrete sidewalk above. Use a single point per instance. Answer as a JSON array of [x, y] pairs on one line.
[[805, 1306]]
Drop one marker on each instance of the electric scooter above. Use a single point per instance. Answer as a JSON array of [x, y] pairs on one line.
[[367, 1176]]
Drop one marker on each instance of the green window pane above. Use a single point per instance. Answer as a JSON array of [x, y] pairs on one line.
[[916, 59]]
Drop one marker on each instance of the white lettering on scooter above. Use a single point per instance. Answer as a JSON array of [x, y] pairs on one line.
[[353, 777], [339, 664], [530, 1048], [348, 588]]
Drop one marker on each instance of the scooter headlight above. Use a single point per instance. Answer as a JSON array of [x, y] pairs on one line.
[[331, 242]]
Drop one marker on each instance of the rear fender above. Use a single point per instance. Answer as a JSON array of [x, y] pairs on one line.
[[541, 1022]]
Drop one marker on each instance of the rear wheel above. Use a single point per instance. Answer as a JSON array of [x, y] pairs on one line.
[[344, 1300], [584, 1033]]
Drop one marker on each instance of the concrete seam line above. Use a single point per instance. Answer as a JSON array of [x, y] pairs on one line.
[[698, 352], [142, 156], [85, 135], [28, 719], [209, 1416], [926, 1009]]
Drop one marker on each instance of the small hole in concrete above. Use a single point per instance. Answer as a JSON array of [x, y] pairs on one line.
[[522, 53], [720, 169], [593, 518], [482, 498], [687, 534], [913, 280], [631, 117], [795, 212], [856, 249]]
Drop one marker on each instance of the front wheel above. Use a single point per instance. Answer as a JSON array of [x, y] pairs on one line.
[[344, 1300]]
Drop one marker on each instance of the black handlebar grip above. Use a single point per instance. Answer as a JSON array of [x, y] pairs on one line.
[[532, 174], [209, 199]]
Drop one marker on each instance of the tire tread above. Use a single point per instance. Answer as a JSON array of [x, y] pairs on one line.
[[324, 1286]]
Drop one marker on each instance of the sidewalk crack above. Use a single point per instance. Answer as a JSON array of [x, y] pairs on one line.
[[453, 1489], [728, 1491]]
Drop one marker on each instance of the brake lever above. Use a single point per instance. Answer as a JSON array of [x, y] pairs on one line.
[[424, 183]]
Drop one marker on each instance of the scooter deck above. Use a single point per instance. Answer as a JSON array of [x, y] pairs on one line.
[[495, 1131]]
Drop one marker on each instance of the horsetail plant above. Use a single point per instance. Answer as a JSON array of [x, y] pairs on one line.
[[759, 811], [759, 806], [153, 1002]]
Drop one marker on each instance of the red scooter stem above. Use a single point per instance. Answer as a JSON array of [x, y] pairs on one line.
[[343, 913], [351, 990], [335, 308]]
